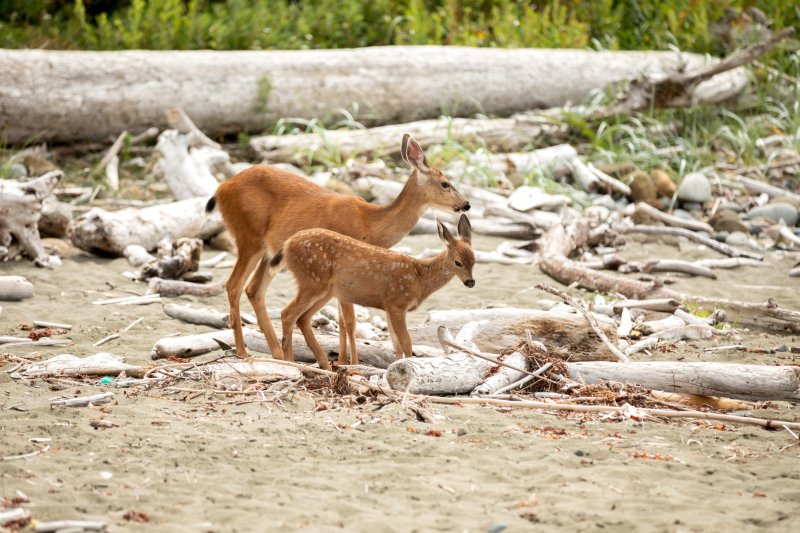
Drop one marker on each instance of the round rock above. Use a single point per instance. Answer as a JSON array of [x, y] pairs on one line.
[[694, 187], [775, 212]]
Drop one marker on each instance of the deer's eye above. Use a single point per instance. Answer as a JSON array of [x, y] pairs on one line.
[[445, 185], [458, 264]]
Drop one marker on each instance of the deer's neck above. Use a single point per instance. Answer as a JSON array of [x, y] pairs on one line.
[[434, 274], [394, 221]]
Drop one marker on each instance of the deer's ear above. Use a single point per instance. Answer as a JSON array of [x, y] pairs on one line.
[[465, 229], [413, 155], [444, 233]]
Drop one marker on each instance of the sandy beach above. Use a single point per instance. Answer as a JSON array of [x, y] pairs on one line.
[[196, 462]]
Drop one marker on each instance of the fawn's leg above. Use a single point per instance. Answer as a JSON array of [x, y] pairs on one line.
[[398, 351], [303, 300], [348, 311], [245, 263], [397, 317], [342, 337], [304, 323], [256, 293]]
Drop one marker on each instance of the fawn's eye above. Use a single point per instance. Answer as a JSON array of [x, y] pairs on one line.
[[445, 185], [458, 264]]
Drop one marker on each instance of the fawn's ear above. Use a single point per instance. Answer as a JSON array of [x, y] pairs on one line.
[[444, 233], [413, 155], [465, 229]]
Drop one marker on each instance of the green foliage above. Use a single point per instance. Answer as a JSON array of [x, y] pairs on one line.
[[713, 26]]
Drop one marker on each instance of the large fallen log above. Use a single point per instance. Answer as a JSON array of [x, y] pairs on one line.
[[110, 232], [375, 353], [94, 95], [744, 382], [20, 211]]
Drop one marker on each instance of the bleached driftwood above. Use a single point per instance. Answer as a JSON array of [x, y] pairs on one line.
[[510, 133], [664, 305], [535, 217], [137, 255], [55, 219], [179, 120], [374, 353], [565, 334], [691, 332], [758, 187], [83, 401], [647, 211], [190, 171], [17, 514], [193, 315], [69, 525], [668, 265], [609, 181], [642, 345], [173, 287], [174, 259], [111, 232], [313, 84], [264, 371], [15, 288], [562, 239], [21, 208], [692, 236], [744, 382], [654, 326], [67, 365], [503, 377]]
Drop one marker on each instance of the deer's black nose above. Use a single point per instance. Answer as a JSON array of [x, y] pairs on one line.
[[470, 283], [465, 207]]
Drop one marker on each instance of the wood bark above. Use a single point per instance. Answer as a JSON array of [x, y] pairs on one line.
[[192, 315], [743, 382], [21, 204], [246, 371], [15, 288], [503, 376], [173, 287], [190, 171], [566, 335], [110, 232], [94, 95], [55, 219], [174, 259]]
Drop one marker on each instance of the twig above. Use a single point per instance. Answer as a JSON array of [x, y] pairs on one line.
[[72, 525], [592, 322], [133, 324], [792, 433], [692, 236], [83, 401], [106, 339], [479, 355], [25, 455], [56, 325], [131, 300], [524, 380]]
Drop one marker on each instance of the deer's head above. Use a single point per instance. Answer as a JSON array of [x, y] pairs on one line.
[[435, 186], [460, 258]]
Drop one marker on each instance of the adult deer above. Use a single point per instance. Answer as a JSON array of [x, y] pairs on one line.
[[326, 264], [263, 206]]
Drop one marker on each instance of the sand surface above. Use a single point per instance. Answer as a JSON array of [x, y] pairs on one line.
[[200, 463]]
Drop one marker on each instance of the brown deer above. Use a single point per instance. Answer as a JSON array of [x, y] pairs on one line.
[[263, 206], [326, 264]]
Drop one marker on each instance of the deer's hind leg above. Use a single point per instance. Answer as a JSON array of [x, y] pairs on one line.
[[245, 263], [256, 293], [347, 330], [306, 297]]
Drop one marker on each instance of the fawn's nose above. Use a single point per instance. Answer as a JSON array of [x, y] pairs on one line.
[[470, 283], [465, 207]]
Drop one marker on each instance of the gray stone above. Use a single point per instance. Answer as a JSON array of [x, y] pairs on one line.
[[694, 187], [730, 206], [682, 213], [721, 236], [775, 212], [737, 238], [17, 171], [693, 207]]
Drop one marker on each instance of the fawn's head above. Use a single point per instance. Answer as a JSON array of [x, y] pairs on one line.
[[460, 258], [437, 189]]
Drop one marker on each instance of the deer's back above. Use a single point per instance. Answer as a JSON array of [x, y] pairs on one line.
[[268, 205]]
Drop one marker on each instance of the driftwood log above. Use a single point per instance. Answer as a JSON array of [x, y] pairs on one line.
[[744, 382], [67, 365], [21, 204], [15, 288], [193, 315], [562, 239], [250, 90], [110, 232], [566, 335], [190, 171], [55, 219], [375, 353], [172, 287], [174, 259]]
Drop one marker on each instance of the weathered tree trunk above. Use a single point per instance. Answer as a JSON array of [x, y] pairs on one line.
[[192, 315], [67, 365], [20, 212], [93, 95], [744, 382], [56, 217], [110, 232], [190, 171], [375, 353]]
